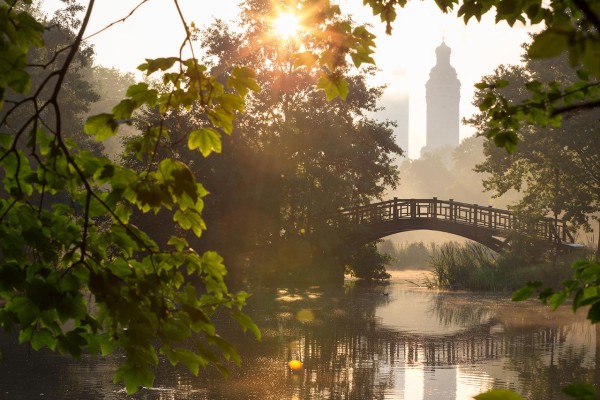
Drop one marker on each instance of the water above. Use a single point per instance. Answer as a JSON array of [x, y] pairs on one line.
[[362, 341]]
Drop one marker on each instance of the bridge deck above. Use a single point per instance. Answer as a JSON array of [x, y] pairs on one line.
[[497, 221]]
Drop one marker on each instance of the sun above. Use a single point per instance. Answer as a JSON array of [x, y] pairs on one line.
[[287, 25]]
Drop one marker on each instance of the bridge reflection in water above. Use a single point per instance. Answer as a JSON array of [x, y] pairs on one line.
[[460, 345], [355, 344], [489, 226]]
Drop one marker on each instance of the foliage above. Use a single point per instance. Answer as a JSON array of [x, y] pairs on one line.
[[498, 394], [555, 168], [296, 157], [66, 234], [571, 27], [474, 267], [584, 287], [367, 263], [111, 86], [456, 266], [576, 391], [76, 274]]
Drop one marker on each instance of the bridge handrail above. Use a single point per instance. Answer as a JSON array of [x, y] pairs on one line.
[[486, 217]]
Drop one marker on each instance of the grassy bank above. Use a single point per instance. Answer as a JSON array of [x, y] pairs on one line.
[[475, 267]]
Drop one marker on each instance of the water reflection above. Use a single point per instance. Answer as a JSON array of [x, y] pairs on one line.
[[355, 342]]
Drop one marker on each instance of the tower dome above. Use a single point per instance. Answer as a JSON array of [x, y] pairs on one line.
[[443, 52]]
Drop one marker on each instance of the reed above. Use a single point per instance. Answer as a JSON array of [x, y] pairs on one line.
[[474, 267]]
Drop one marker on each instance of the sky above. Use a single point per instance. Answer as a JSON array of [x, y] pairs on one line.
[[404, 58]]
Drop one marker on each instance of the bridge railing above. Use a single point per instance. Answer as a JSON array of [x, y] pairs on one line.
[[494, 219]]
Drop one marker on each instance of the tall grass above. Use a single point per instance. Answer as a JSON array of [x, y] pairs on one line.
[[474, 267]]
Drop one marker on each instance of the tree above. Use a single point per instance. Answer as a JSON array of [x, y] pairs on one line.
[[68, 248], [69, 252], [368, 263], [111, 86], [293, 159], [55, 252], [556, 168]]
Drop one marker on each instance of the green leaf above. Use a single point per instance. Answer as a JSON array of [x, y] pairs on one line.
[[153, 65], [206, 140], [222, 119], [305, 59], [591, 57], [557, 299], [583, 75], [229, 352], [120, 268], [134, 377], [549, 43], [488, 101], [498, 394], [594, 312], [246, 323], [191, 360], [190, 219], [525, 292], [506, 139], [26, 311], [124, 109], [43, 338], [580, 391], [101, 126], [243, 79], [178, 242], [18, 80], [333, 87], [72, 342], [508, 7], [141, 94]]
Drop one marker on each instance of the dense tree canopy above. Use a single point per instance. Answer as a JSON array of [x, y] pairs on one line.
[[556, 168], [293, 158], [69, 250]]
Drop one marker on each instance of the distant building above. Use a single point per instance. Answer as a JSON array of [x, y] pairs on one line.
[[401, 131], [396, 109], [443, 98]]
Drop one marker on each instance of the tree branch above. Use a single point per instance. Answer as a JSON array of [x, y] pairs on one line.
[[117, 21], [576, 107]]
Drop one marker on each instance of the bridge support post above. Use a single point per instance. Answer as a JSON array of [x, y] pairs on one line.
[[475, 214], [434, 213], [395, 210], [413, 208], [451, 201]]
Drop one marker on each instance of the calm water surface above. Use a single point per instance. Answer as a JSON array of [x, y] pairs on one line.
[[362, 341]]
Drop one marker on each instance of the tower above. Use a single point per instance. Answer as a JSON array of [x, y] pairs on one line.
[[443, 97]]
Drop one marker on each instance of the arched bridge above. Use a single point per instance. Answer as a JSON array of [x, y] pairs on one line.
[[489, 226]]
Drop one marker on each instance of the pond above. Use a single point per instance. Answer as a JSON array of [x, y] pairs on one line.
[[360, 341]]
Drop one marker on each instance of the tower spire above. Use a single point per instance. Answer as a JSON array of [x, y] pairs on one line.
[[443, 98]]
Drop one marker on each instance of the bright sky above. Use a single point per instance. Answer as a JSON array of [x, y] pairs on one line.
[[405, 58]]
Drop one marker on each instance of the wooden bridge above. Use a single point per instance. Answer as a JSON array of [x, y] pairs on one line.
[[489, 226]]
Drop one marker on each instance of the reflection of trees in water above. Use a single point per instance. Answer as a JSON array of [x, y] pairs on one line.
[[452, 309], [347, 354], [545, 373], [533, 342], [28, 374]]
